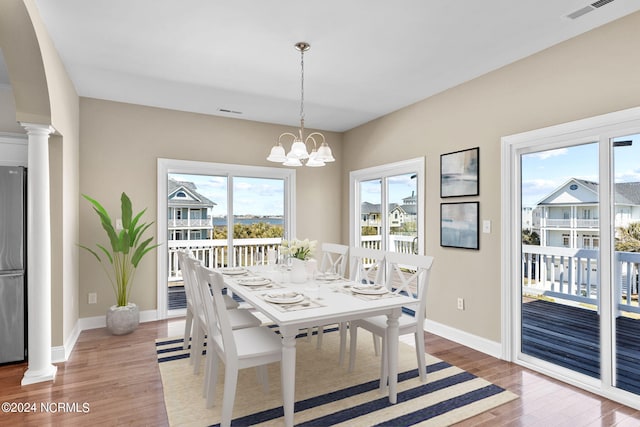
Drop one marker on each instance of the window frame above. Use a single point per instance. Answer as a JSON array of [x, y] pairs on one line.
[[174, 166], [415, 165]]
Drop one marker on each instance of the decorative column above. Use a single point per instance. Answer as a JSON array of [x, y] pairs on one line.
[[38, 256]]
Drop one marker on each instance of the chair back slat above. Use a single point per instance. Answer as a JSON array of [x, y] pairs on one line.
[[407, 269], [183, 255], [367, 265], [334, 258]]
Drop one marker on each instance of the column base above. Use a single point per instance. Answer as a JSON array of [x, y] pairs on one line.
[[32, 377]]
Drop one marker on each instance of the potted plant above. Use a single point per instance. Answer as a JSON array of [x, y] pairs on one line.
[[120, 260], [300, 252]]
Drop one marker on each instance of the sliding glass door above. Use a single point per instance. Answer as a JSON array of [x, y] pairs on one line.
[[225, 215], [626, 261], [572, 252], [560, 320], [387, 207]]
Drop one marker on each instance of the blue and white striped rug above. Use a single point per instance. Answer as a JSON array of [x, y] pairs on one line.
[[327, 394]]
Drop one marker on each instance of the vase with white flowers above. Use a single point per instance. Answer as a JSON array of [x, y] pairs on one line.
[[301, 253]]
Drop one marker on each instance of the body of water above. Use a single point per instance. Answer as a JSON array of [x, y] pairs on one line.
[[217, 222]]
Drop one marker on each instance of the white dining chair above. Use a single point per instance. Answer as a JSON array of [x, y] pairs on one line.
[[189, 315], [367, 265], [239, 317], [403, 271], [237, 348], [334, 260], [191, 298]]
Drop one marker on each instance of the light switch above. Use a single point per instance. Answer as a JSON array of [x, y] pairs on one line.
[[486, 226]]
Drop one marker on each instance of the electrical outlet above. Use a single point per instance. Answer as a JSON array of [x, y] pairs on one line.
[[460, 303], [93, 298], [119, 224]]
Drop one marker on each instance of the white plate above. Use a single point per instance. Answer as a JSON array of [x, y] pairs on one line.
[[284, 297], [328, 276], [369, 290], [232, 271], [253, 281]]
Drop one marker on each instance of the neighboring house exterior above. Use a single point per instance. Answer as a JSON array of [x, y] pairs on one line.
[[399, 215], [568, 216], [189, 212]]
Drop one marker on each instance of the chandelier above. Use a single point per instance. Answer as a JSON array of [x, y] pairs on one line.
[[299, 154]]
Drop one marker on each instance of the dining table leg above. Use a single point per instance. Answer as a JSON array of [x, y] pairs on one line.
[[288, 372], [392, 353]]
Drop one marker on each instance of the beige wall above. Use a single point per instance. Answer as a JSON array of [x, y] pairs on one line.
[[589, 75], [120, 147]]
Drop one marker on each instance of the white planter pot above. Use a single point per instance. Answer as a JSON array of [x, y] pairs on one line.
[[123, 320]]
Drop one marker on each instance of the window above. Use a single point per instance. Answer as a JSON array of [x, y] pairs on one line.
[[376, 197], [216, 221]]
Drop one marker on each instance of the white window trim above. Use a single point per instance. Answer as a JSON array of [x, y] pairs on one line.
[[167, 166], [391, 169], [594, 129]]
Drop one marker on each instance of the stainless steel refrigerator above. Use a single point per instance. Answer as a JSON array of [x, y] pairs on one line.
[[12, 264]]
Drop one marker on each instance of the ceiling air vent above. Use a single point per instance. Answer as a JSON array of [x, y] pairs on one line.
[[583, 11], [600, 3], [226, 110]]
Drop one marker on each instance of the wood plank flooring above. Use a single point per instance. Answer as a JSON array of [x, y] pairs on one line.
[[118, 378]]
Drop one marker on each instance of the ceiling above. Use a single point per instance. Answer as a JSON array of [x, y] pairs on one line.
[[367, 58]]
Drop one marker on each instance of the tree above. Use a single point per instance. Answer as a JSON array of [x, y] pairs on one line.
[[530, 237], [628, 238], [248, 231]]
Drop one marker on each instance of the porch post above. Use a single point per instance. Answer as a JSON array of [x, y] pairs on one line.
[[38, 256]]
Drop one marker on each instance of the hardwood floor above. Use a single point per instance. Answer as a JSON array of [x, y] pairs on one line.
[[119, 381]]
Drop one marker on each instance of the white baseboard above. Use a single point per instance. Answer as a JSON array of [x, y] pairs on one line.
[[475, 342], [62, 353]]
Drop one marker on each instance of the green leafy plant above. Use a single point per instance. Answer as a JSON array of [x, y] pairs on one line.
[[127, 248]]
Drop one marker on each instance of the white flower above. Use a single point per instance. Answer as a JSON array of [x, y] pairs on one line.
[[301, 249]]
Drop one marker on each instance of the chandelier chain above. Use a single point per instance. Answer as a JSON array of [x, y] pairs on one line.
[[302, 85]]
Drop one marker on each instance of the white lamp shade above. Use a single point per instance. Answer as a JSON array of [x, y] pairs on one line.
[[324, 153], [277, 154], [313, 161], [292, 162], [299, 150]]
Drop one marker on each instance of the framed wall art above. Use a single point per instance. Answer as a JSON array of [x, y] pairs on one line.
[[460, 173], [459, 225]]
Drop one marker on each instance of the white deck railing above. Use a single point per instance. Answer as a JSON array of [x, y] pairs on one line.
[[190, 222], [215, 252], [397, 243], [572, 274], [248, 252]]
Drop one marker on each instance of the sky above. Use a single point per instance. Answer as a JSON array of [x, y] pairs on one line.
[[252, 196], [256, 196], [545, 171], [400, 186]]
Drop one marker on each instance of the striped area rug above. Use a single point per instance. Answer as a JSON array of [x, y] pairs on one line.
[[327, 394]]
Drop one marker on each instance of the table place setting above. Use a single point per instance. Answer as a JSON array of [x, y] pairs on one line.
[[233, 271], [366, 291], [257, 283], [290, 300], [328, 277]]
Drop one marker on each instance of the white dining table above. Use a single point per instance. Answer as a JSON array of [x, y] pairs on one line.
[[332, 303]]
